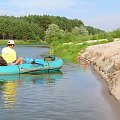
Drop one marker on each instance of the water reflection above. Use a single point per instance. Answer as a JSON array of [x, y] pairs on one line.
[[9, 84], [9, 94], [84, 64]]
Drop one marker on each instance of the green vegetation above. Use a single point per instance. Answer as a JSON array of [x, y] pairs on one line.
[[25, 42], [33, 27], [72, 50], [67, 37]]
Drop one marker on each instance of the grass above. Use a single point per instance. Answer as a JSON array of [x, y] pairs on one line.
[[24, 42], [71, 51]]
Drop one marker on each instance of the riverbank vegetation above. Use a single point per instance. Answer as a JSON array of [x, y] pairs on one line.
[[67, 37], [25, 42]]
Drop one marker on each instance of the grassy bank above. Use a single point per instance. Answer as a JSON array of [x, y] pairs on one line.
[[24, 42], [71, 51]]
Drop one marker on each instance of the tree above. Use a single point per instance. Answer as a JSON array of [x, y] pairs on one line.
[[53, 33], [80, 30], [116, 33]]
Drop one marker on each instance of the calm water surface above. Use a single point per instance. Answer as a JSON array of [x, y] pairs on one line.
[[73, 94]]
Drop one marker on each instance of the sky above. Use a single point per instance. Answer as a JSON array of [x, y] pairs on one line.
[[101, 14]]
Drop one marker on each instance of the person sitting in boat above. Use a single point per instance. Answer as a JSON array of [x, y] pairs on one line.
[[9, 54]]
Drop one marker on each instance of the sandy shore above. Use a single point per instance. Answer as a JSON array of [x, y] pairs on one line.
[[105, 59]]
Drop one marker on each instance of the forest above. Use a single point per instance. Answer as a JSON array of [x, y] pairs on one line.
[[51, 29], [34, 27]]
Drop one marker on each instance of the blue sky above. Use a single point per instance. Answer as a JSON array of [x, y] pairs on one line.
[[102, 14]]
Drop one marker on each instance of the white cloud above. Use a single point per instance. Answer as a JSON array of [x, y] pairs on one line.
[[3, 11], [107, 23]]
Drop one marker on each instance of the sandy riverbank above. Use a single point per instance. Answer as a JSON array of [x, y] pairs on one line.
[[114, 104], [105, 59]]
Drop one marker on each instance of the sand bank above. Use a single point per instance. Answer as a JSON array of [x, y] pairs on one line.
[[105, 59]]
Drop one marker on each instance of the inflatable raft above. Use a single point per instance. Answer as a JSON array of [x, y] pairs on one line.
[[33, 65]]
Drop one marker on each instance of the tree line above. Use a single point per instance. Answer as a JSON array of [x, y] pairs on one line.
[[35, 27]]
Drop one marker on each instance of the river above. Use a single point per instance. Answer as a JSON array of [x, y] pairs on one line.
[[74, 93]]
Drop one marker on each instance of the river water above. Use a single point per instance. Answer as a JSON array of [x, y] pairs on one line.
[[74, 93]]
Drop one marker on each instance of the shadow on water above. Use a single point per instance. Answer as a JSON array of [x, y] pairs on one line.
[[9, 84]]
